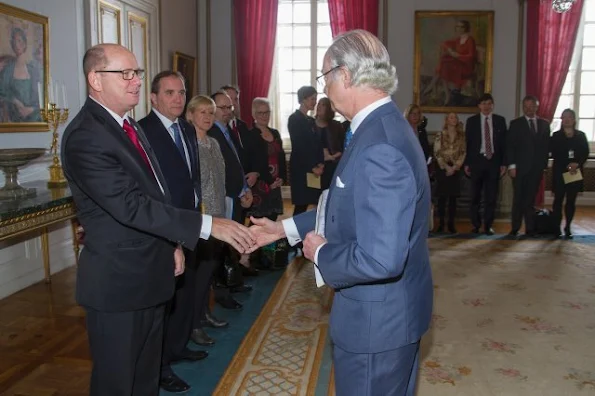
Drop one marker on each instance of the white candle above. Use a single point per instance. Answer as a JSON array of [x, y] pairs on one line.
[[40, 95], [64, 101], [51, 91], [57, 95]]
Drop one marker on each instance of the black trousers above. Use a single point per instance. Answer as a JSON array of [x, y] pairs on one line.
[[209, 259], [178, 319], [525, 189], [126, 350], [485, 178], [452, 210], [569, 208]]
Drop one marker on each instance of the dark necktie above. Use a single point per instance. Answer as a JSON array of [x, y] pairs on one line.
[[488, 140], [178, 140], [236, 132], [133, 136], [532, 123], [348, 136]]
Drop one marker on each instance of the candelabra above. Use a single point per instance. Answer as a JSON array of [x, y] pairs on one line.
[[55, 117]]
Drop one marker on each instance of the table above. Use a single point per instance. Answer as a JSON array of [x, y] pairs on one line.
[[36, 214]]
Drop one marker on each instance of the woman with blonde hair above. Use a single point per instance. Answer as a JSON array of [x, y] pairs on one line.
[[449, 151], [200, 112]]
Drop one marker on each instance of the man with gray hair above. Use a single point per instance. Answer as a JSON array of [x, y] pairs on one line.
[[374, 250]]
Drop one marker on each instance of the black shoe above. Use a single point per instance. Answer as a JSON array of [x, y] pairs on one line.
[[568, 233], [174, 384], [228, 303], [241, 289], [211, 321], [191, 356], [475, 230], [200, 337], [489, 231]]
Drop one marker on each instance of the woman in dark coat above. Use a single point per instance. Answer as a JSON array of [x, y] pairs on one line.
[[306, 151], [332, 136], [570, 151], [418, 123]]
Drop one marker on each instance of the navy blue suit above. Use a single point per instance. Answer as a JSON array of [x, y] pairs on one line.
[[377, 257], [183, 183]]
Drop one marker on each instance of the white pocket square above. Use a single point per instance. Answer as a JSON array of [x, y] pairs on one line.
[[339, 183]]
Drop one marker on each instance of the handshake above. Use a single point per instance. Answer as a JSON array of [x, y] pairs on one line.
[[261, 233]]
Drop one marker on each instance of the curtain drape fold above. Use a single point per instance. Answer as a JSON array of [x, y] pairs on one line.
[[353, 14], [255, 24]]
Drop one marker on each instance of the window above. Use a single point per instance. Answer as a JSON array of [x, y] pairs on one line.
[[578, 92], [303, 36]]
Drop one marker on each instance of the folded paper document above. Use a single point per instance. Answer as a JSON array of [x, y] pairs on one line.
[[319, 229], [313, 181], [570, 178]]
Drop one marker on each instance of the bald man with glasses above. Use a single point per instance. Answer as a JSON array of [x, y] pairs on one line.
[[133, 235]]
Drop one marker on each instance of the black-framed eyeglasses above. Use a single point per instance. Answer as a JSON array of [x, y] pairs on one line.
[[320, 78], [127, 74], [230, 108]]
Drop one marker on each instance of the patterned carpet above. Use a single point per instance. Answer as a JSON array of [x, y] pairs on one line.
[[510, 318]]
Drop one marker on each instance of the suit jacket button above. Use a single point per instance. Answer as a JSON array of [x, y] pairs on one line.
[[333, 219]]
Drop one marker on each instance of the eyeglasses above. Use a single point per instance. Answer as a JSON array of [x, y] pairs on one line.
[[320, 79], [263, 113], [127, 74], [230, 108]]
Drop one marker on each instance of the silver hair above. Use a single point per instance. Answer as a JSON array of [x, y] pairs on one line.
[[259, 101], [366, 58]]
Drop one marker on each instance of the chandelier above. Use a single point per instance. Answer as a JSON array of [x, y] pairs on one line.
[[562, 5]]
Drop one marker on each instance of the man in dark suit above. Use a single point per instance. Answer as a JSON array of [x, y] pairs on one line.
[[374, 252], [175, 146], [527, 155], [484, 163], [236, 187], [133, 234]]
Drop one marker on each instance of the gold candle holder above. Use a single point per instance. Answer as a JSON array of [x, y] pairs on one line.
[[55, 117]]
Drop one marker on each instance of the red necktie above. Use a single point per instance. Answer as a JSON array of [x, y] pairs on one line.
[[234, 128], [488, 140], [131, 132]]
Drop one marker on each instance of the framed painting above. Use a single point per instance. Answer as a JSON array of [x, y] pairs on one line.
[[453, 59], [24, 69], [186, 65]]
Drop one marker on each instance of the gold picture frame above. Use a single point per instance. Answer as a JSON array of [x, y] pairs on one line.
[[453, 59], [23, 34], [186, 65]]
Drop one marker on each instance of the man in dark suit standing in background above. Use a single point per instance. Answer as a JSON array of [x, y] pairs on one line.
[[484, 163], [236, 186], [174, 144], [133, 234], [527, 155]]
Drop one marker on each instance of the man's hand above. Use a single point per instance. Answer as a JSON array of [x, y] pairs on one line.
[[311, 243], [277, 183], [179, 260], [251, 178], [502, 171], [318, 169], [238, 236], [512, 173], [265, 231], [467, 170], [572, 167], [246, 200]]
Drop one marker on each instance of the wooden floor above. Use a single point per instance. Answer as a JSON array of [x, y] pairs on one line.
[[43, 343]]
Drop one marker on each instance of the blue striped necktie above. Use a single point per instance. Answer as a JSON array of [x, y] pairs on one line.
[[348, 136], [178, 139]]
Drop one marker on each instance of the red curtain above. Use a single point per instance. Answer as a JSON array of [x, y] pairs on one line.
[[550, 43], [255, 23], [353, 14]]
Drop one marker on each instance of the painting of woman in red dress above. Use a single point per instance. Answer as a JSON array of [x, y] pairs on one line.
[[456, 67]]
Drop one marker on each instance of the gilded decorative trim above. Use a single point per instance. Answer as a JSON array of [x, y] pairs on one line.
[[32, 221]]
